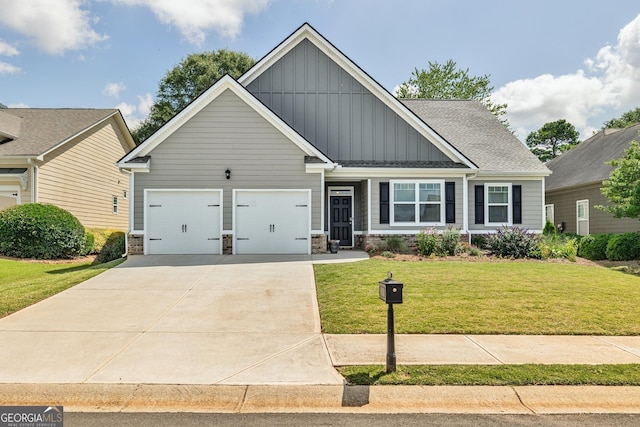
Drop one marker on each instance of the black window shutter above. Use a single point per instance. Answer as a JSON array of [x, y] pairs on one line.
[[450, 202], [517, 203], [384, 203], [479, 189]]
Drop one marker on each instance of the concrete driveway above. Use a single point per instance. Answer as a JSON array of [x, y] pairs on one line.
[[175, 320]]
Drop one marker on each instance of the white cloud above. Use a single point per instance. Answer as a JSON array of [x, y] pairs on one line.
[[133, 114], [54, 28], [7, 50], [8, 68], [18, 105], [611, 81], [113, 89], [194, 18]]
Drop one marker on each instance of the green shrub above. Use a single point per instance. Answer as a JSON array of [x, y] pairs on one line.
[[394, 244], [549, 229], [623, 247], [474, 251], [450, 242], [101, 235], [40, 231], [113, 248], [594, 246], [427, 242], [388, 254], [513, 242], [89, 241], [479, 240], [551, 246]]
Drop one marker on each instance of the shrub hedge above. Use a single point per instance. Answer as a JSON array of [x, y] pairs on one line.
[[40, 231], [623, 247], [594, 246]]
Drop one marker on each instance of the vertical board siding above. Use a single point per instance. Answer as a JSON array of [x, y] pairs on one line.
[[532, 209], [351, 123], [82, 178], [227, 134], [564, 203]]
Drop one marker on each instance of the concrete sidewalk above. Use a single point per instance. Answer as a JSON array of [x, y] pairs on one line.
[[484, 349]]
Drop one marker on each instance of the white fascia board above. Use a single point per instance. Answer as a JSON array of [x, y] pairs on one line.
[[205, 99], [509, 175], [60, 144], [306, 31], [350, 172], [9, 160]]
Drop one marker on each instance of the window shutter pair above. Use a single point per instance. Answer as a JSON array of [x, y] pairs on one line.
[[449, 197], [516, 197]]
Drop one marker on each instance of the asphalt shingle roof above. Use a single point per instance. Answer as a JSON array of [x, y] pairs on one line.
[[477, 133], [38, 130], [585, 163]]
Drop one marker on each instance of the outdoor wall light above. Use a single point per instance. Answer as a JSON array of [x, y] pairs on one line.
[[228, 174]]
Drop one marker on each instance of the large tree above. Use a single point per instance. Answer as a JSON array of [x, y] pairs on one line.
[[446, 81], [630, 118], [184, 82], [552, 139], [623, 186]]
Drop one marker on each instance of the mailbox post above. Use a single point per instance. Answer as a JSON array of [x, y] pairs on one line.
[[390, 292]]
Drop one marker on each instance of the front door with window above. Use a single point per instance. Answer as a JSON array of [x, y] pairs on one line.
[[341, 219]]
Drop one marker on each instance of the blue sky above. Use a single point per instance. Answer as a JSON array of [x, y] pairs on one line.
[[572, 59]]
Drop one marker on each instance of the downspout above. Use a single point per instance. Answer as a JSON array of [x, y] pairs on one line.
[[34, 178]]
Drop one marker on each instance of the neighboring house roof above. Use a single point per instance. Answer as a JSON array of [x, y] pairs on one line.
[[470, 127], [33, 132], [585, 163]]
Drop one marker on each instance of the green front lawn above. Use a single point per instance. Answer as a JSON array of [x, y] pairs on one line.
[[25, 283], [480, 297]]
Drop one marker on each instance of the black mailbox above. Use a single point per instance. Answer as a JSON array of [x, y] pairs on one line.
[[390, 291]]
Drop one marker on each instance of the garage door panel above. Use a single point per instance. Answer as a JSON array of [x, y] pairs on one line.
[[272, 222], [183, 222]]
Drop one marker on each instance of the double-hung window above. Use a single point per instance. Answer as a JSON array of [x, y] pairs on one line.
[[417, 202], [115, 205], [498, 205]]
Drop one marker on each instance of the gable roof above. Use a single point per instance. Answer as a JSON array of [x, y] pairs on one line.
[[477, 133], [585, 163], [34, 132], [223, 84], [307, 32]]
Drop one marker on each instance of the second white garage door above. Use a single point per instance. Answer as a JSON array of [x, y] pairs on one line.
[[182, 222], [272, 222]]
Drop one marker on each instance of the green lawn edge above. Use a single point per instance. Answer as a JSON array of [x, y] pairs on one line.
[[494, 375]]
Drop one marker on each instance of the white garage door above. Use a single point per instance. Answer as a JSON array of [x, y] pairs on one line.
[[182, 222], [272, 222]]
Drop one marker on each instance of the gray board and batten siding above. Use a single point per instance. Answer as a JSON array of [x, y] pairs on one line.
[[227, 134], [339, 116]]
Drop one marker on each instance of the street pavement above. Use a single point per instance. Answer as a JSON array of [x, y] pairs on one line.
[[242, 334]]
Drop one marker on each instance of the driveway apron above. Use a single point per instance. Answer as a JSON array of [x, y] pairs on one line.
[[175, 320]]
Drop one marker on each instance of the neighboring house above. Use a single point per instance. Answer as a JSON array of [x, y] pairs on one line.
[[307, 147], [66, 157], [573, 190]]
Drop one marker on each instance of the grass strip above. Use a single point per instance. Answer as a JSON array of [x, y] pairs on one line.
[[24, 283], [495, 375]]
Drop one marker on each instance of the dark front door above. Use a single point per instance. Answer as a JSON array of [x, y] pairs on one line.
[[341, 220]]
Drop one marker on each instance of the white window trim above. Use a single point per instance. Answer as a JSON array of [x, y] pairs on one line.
[[509, 222], [417, 183], [114, 205], [553, 213]]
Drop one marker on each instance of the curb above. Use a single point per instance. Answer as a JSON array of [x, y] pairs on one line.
[[325, 398]]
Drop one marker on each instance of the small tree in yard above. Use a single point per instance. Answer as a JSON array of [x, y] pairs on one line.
[[623, 186]]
